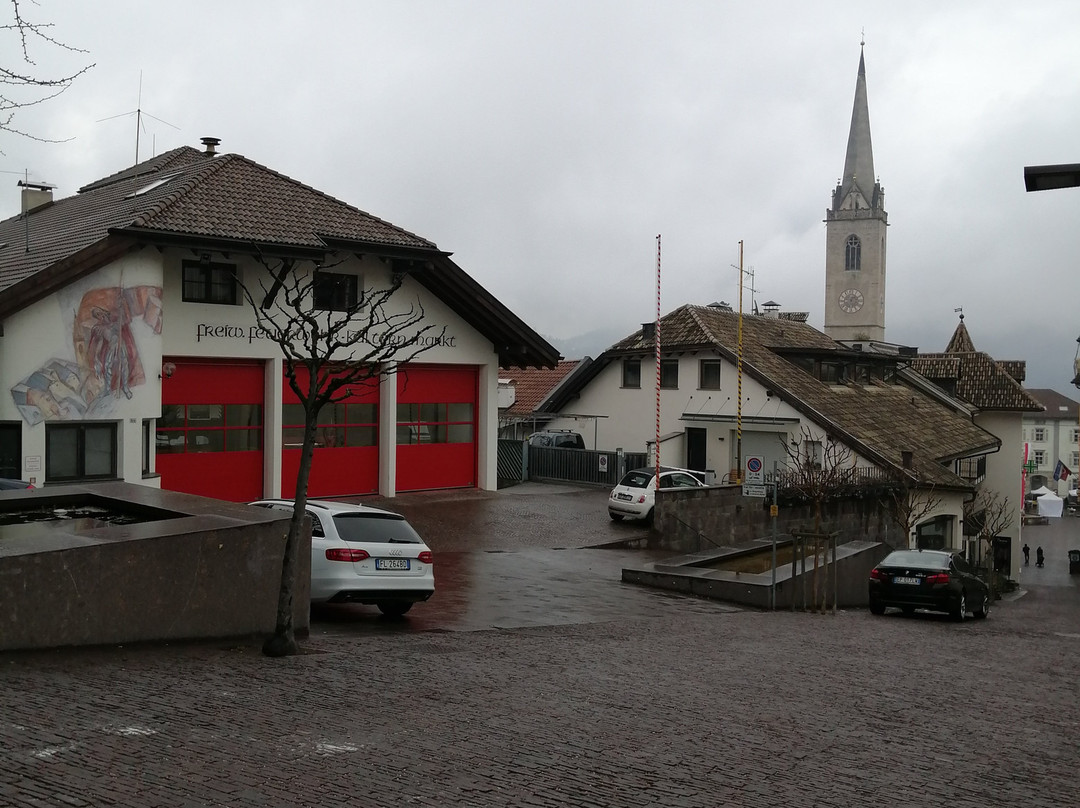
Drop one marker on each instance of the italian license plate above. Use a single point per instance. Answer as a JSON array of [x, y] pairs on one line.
[[623, 497], [900, 579], [391, 563]]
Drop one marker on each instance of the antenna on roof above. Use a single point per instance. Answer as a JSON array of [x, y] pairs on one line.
[[139, 126]]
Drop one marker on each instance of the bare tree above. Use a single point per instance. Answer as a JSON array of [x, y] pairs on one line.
[[326, 353], [990, 514], [23, 83], [816, 471], [908, 503]]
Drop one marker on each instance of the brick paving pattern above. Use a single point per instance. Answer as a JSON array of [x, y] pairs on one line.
[[663, 701]]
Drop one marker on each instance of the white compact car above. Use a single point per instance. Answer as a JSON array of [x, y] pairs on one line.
[[366, 555], [635, 495]]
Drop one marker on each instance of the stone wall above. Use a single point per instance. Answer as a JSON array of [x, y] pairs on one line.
[[699, 519], [210, 570]]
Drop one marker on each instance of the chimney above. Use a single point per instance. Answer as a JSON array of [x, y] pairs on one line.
[[211, 145], [35, 195], [648, 332]]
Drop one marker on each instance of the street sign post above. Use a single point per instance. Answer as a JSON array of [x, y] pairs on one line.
[[755, 470]]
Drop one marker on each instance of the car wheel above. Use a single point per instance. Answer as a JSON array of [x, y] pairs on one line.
[[649, 516], [877, 608], [615, 517], [960, 612], [984, 610], [393, 608]]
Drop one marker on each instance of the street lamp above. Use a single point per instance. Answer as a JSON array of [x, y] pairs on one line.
[[1046, 178]]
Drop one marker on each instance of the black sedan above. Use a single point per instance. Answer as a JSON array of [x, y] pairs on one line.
[[937, 580], [6, 483]]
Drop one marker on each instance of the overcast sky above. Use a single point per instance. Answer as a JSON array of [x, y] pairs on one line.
[[547, 144]]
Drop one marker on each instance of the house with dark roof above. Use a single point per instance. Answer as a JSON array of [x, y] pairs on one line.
[[1053, 436], [774, 388], [992, 391], [127, 350]]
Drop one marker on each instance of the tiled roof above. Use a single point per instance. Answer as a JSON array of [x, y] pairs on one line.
[[227, 197], [961, 340], [1057, 406], [879, 420], [189, 197], [978, 380], [1017, 368], [976, 377], [533, 385]]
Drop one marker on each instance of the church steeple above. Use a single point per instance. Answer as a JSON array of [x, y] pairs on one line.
[[859, 174], [855, 235]]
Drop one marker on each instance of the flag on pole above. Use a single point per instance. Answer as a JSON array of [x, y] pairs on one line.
[[1061, 472]]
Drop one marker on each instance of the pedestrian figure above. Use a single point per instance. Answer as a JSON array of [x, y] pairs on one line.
[[1038, 557], [1027, 555]]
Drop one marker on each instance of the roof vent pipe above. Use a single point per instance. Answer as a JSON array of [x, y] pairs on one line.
[[211, 145]]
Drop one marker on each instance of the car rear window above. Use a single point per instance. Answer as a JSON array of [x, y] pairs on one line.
[[913, 558], [375, 528], [638, 479]]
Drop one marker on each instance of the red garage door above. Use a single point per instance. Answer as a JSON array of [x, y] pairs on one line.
[[346, 458], [210, 436], [436, 428]]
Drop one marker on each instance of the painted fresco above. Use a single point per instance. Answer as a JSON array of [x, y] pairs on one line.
[[105, 365]]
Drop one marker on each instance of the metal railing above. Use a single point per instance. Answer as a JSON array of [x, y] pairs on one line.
[[518, 461]]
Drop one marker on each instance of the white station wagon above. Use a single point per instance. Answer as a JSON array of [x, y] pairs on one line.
[[365, 555]]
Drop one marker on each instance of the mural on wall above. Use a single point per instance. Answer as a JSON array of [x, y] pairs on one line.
[[106, 364]]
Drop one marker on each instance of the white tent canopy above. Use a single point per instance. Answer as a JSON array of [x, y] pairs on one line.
[[1050, 505], [1038, 492]]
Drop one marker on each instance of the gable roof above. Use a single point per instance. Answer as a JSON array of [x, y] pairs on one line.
[[880, 421], [186, 197]]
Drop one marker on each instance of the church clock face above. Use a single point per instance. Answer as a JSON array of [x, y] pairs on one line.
[[851, 300]]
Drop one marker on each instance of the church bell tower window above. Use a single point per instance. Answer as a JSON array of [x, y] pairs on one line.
[[853, 254]]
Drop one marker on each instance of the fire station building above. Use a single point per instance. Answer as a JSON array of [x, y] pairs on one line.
[[129, 352]]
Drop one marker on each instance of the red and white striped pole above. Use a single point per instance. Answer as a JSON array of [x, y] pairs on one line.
[[657, 346]]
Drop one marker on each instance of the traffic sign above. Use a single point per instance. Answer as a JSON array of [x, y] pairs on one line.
[[755, 469], [755, 491]]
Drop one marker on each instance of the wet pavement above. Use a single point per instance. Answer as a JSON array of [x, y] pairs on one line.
[[535, 678]]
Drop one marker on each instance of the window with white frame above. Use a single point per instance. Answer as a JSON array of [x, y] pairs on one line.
[[1039, 458], [1039, 434], [631, 373]]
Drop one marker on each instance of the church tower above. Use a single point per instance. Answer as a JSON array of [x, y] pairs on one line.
[[855, 236]]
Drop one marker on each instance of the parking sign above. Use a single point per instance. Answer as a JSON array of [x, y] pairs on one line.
[[755, 470]]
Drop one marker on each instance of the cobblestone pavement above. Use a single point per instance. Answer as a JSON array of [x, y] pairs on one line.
[[649, 700]]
